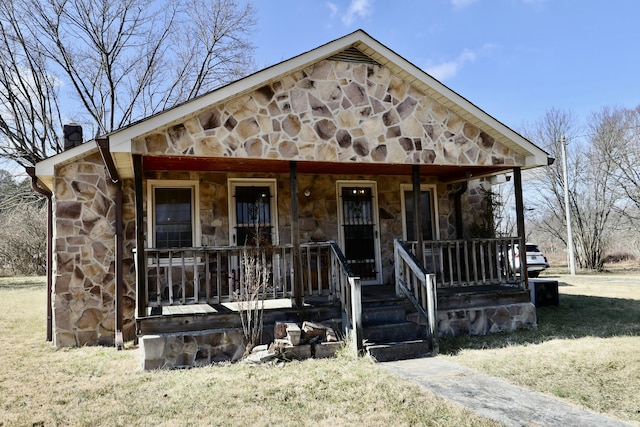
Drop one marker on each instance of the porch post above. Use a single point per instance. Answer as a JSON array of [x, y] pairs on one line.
[[119, 268], [295, 234], [141, 264], [417, 213], [517, 189]]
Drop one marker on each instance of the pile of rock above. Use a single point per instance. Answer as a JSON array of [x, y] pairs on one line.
[[291, 341]]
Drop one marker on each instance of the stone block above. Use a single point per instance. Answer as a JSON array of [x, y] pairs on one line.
[[262, 356], [326, 349], [261, 347], [148, 365], [312, 330], [280, 329], [203, 357], [64, 339], [478, 322], [294, 334], [152, 346], [299, 352]]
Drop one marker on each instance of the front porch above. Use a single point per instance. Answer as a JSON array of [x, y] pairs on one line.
[[192, 298]]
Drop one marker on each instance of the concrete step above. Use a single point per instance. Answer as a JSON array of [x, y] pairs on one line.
[[399, 350]]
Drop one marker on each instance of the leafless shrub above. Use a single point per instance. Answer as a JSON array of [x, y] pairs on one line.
[[23, 240], [254, 281]]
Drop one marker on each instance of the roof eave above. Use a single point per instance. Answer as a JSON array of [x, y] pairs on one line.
[[45, 170], [121, 139]]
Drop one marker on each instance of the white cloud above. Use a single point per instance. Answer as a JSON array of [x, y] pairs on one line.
[[357, 9], [448, 69], [459, 4], [332, 8]]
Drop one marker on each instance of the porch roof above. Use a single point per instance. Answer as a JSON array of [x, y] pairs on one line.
[[357, 43], [445, 173]]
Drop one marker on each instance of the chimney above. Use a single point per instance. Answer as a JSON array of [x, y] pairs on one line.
[[72, 135]]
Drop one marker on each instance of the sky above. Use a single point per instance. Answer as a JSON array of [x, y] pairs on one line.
[[515, 59]]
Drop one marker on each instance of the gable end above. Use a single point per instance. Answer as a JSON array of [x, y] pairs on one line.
[[353, 55]]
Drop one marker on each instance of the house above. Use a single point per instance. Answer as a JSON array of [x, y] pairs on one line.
[[354, 166]]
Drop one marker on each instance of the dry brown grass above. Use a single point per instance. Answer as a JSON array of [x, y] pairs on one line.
[[585, 351], [96, 386]]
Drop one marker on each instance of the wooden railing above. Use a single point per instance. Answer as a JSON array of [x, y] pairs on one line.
[[350, 295], [472, 262], [419, 286], [182, 276], [212, 275]]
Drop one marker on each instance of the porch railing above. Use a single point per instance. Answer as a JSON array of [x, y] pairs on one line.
[[419, 286], [350, 295], [471, 262], [213, 275]]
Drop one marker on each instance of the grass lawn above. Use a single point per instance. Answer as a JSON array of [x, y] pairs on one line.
[[94, 386], [586, 351]]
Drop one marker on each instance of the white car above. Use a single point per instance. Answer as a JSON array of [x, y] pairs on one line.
[[536, 261]]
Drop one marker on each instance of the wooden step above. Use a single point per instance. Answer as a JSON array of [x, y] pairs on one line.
[[402, 350], [382, 314], [390, 332]]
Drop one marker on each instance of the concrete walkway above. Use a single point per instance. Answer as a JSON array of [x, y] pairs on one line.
[[494, 398]]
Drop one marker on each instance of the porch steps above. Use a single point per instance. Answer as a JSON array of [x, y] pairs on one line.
[[388, 334]]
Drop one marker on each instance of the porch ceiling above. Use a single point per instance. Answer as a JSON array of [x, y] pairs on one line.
[[444, 173]]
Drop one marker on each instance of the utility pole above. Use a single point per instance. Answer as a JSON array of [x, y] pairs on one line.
[[567, 210]]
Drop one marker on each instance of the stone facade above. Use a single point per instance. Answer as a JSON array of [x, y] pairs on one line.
[[191, 349], [84, 255], [332, 112], [486, 320]]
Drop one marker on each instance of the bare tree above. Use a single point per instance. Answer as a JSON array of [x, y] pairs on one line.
[[117, 60], [623, 150], [29, 110], [593, 196], [601, 199], [23, 227], [547, 185]]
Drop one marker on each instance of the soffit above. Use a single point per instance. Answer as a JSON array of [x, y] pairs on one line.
[[444, 173]]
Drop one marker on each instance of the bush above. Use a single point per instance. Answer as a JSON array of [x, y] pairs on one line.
[[23, 240], [616, 257]]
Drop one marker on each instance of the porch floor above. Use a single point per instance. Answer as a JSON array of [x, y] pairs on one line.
[[370, 293], [179, 318]]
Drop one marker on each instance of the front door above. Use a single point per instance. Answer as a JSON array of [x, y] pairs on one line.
[[252, 212], [358, 229]]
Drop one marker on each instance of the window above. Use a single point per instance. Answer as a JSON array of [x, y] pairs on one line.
[[173, 214], [428, 209], [252, 207]]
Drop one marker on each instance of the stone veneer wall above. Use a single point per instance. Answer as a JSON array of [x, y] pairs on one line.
[[334, 112], [84, 279], [486, 320], [84, 256]]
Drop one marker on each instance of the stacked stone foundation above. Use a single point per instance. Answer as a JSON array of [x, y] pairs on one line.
[[486, 320]]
